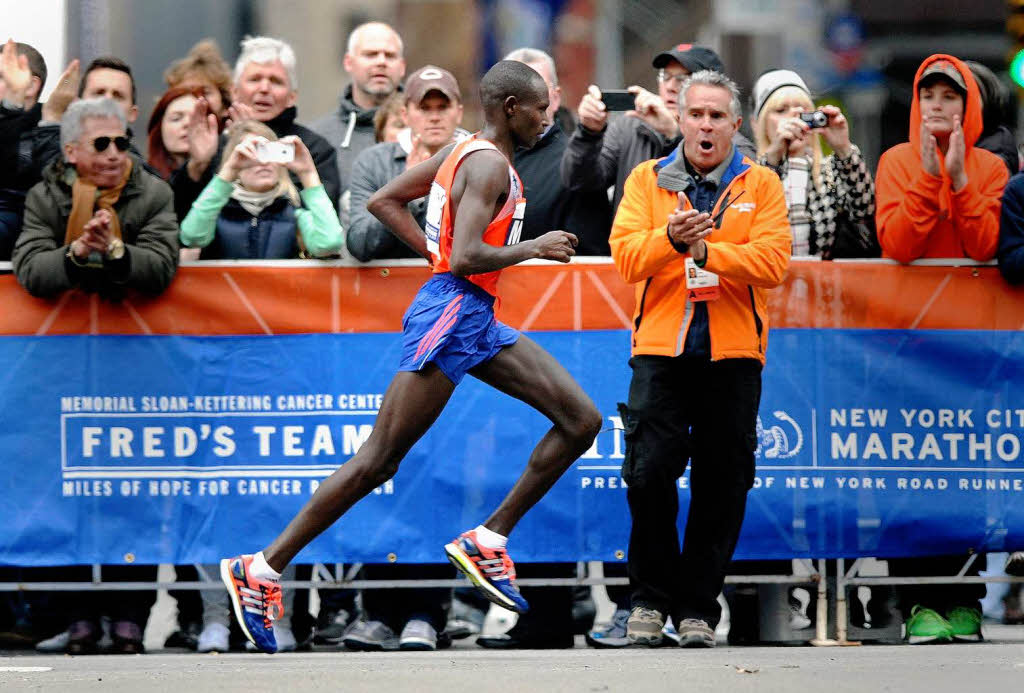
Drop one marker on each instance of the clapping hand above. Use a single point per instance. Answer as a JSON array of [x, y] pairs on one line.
[[203, 136], [95, 236], [688, 227], [955, 155], [237, 112], [929, 152], [16, 74], [63, 94]]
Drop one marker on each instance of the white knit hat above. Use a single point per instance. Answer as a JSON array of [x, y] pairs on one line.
[[773, 80]]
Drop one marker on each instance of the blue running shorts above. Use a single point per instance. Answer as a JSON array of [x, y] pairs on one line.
[[451, 323]]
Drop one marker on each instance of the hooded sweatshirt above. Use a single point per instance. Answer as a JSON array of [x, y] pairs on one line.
[[919, 215], [349, 129]]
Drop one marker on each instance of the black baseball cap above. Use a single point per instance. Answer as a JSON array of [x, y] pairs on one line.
[[693, 58]]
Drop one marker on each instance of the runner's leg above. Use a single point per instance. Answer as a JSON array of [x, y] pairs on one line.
[[528, 373], [412, 403]]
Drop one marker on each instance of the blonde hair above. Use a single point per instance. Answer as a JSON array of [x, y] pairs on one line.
[[239, 130], [762, 139]]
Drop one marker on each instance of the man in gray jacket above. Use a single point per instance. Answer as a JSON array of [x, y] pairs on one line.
[[98, 220], [602, 154], [374, 60], [433, 111]]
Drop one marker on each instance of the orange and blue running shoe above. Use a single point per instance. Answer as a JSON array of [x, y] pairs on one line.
[[257, 603], [490, 570]]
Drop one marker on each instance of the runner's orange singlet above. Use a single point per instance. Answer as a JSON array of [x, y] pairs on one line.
[[504, 229]]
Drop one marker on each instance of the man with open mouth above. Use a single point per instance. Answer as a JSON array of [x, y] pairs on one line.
[[702, 271]]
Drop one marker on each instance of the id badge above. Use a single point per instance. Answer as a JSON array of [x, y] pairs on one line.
[[701, 285]]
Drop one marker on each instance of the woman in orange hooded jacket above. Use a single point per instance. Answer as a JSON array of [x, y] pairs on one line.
[[938, 194]]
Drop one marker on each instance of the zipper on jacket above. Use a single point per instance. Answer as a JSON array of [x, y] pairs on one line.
[[757, 319], [351, 126], [640, 313]]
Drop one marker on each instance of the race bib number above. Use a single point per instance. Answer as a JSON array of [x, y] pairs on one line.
[[515, 229], [435, 209], [701, 285]]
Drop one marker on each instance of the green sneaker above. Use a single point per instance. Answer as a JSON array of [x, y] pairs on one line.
[[966, 623], [925, 625]]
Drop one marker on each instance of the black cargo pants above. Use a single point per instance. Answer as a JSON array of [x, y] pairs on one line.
[[680, 410]]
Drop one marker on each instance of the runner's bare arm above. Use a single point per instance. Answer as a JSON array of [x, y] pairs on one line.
[[480, 183], [389, 204]]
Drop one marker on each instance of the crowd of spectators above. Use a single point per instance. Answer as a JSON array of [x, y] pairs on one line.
[[230, 173]]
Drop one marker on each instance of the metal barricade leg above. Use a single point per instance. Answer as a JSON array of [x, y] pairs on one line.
[[821, 638]]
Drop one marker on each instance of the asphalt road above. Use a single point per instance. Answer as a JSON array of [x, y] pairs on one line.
[[996, 665]]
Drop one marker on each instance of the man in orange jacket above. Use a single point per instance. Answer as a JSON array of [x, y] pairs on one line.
[[938, 194], [703, 234]]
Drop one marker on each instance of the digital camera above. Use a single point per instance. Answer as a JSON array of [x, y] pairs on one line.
[[816, 119]]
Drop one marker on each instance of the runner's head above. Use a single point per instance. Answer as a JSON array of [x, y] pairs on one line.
[[515, 100]]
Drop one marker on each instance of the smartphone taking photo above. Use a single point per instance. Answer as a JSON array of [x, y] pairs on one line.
[[618, 100], [275, 152]]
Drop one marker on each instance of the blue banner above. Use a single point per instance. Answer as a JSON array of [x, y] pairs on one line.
[[163, 449]]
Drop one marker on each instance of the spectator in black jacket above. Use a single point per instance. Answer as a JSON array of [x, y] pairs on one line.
[[23, 76], [550, 205], [1011, 231], [265, 89], [996, 117]]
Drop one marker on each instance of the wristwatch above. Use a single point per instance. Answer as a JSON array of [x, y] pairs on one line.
[[74, 258], [115, 251]]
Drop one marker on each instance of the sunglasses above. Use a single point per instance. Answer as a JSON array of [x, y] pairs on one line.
[[100, 144]]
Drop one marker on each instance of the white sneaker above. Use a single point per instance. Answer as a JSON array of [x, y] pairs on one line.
[[285, 640], [418, 635], [58, 643], [214, 638], [798, 619]]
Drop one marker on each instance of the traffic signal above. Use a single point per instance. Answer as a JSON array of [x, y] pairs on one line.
[[1015, 28]]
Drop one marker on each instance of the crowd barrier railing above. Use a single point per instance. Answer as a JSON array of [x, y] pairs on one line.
[[891, 403]]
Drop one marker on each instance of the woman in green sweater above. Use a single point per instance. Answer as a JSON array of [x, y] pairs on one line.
[[252, 209]]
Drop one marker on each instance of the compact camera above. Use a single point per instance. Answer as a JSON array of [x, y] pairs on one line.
[[816, 119]]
